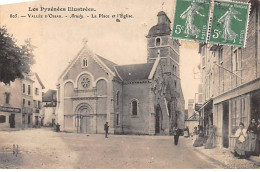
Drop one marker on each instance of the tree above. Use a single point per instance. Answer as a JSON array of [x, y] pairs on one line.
[[15, 61]]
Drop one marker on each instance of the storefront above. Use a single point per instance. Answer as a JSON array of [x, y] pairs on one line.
[[238, 105], [206, 116], [10, 117]]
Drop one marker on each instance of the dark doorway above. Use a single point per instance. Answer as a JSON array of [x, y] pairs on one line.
[[158, 119], [42, 121], [36, 120], [255, 105], [52, 122], [12, 120], [29, 119], [85, 125], [23, 121], [225, 128]]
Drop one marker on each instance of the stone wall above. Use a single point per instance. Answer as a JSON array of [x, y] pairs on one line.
[[138, 124]]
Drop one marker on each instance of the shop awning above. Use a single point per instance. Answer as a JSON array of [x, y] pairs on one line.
[[205, 104], [242, 89]]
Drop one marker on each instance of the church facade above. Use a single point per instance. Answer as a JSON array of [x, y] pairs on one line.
[[134, 99]]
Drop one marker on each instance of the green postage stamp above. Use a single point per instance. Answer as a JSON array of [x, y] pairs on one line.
[[191, 20], [229, 23]]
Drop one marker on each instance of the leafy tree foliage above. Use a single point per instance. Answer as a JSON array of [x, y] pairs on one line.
[[15, 61]]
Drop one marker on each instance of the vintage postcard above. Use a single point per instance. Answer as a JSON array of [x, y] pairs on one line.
[[129, 84]]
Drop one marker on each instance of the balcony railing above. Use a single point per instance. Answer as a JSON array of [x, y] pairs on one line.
[[87, 92]]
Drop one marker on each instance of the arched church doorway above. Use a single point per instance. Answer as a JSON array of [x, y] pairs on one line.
[[158, 120], [85, 119]]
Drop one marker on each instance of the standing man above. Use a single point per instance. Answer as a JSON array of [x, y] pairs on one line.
[[176, 134], [106, 127]]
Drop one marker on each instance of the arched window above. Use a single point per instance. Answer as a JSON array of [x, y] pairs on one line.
[[84, 63], [134, 107], [158, 42], [101, 86], [117, 98]]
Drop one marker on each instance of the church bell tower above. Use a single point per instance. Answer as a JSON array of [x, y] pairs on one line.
[[163, 49], [161, 45]]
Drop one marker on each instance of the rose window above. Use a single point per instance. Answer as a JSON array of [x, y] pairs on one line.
[[85, 82]]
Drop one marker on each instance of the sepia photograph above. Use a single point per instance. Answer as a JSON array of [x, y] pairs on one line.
[[129, 84]]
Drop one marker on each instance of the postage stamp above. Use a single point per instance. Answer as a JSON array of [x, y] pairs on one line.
[[229, 23], [191, 20]]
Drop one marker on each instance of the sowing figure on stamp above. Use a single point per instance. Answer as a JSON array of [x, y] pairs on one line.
[[226, 19], [188, 14]]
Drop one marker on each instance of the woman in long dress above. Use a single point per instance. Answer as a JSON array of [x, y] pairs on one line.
[[211, 139], [251, 132], [240, 145], [258, 138], [189, 14], [195, 133], [200, 140], [226, 19]]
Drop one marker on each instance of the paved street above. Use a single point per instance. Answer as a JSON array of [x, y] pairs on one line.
[[43, 148]]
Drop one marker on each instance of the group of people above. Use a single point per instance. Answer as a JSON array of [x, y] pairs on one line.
[[201, 139], [197, 133], [248, 140]]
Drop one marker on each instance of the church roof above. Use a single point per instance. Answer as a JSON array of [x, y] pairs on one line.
[[108, 63], [134, 71], [159, 29]]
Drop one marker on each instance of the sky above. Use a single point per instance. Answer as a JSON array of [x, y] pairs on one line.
[[58, 40]]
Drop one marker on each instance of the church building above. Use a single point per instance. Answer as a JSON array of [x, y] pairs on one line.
[[134, 99]]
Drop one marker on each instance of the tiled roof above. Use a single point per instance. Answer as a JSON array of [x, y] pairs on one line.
[[37, 76], [134, 71], [108, 63], [159, 29], [50, 96]]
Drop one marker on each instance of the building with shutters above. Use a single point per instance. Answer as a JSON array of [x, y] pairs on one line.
[[37, 90], [231, 83], [18, 107], [16, 104]]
